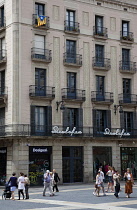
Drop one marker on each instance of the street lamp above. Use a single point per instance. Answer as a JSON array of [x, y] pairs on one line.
[[61, 104], [120, 108]]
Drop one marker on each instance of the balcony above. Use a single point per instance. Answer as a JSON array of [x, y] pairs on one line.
[[71, 27], [127, 67], [101, 64], [40, 21], [41, 92], [3, 95], [128, 99], [100, 32], [73, 94], [43, 55], [102, 98], [127, 37], [70, 59], [2, 24], [3, 56]]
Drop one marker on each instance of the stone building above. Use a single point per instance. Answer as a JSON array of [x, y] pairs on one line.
[[68, 90]]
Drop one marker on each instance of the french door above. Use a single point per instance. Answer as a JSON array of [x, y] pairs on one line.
[[125, 28], [40, 82], [71, 51], [127, 90], [99, 25], [100, 88], [39, 9], [99, 50], [125, 59], [40, 119], [70, 20], [71, 85]]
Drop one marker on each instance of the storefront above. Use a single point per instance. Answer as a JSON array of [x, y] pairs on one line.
[[3, 164], [72, 158], [129, 160], [39, 162], [101, 156]]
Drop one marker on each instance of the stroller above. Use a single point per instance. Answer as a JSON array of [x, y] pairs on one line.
[[6, 192]]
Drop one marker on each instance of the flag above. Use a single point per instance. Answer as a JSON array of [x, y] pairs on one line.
[[41, 20]]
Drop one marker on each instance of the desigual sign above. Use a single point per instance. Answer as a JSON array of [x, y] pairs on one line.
[[67, 131], [117, 133]]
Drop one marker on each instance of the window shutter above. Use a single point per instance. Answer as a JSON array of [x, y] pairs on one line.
[[32, 118], [49, 119], [135, 123], [122, 120], [108, 117], [65, 118], [80, 119], [94, 113]]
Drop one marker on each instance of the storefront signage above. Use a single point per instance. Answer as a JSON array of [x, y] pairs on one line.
[[40, 150], [67, 131], [118, 132], [3, 151]]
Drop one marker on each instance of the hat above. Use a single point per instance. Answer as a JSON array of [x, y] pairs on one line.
[[47, 171]]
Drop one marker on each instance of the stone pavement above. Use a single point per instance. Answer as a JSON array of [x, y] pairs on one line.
[[72, 197]]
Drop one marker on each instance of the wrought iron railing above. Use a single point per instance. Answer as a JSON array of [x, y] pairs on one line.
[[36, 21], [99, 96], [127, 36], [3, 55], [127, 66], [71, 26], [42, 91], [102, 63], [71, 58], [127, 98], [72, 93], [41, 54], [100, 31]]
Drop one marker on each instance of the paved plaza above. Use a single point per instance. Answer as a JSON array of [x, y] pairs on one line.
[[72, 197]]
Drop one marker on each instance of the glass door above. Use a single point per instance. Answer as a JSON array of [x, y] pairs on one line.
[[126, 59], [100, 88], [125, 28], [40, 120], [40, 82], [70, 20], [71, 51], [99, 25], [99, 50], [71, 85], [126, 91]]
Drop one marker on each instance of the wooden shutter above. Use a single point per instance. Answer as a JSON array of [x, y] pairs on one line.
[[65, 118], [135, 123], [122, 120], [80, 118], [94, 117], [108, 118], [49, 119], [32, 119]]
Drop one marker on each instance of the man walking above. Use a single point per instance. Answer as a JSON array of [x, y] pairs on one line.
[[55, 180], [47, 183], [116, 178], [27, 183]]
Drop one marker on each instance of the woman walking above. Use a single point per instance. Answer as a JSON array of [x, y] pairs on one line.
[[129, 182], [110, 179], [21, 184], [13, 184], [98, 183]]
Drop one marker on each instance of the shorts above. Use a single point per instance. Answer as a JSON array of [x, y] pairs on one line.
[[12, 188], [102, 184], [110, 179]]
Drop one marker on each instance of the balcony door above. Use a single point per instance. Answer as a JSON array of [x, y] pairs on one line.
[[71, 85], [2, 16], [71, 51], [99, 54], [128, 121], [125, 28], [40, 82], [39, 46], [2, 82], [126, 90], [39, 9], [125, 59], [70, 20], [100, 88], [99, 25]]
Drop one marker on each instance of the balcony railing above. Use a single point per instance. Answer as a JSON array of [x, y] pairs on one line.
[[101, 63], [2, 23], [71, 93], [128, 99], [127, 67], [40, 21], [97, 96], [3, 95], [3, 56], [42, 91], [100, 32], [38, 54], [71, 27], [127, 36], [72, 59]]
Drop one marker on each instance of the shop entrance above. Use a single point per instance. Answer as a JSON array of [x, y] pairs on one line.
[[39, 162], [102, 156], [3, 164], [72, 158], [129, 160]]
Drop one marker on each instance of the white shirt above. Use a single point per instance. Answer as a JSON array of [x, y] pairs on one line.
[[110, 173], [21, 182], [101, 175], [128, 176]]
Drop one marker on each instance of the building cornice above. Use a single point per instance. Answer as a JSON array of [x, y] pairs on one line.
[[120, 3]]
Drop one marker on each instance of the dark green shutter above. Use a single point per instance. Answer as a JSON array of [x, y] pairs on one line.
[[108, 116], [80, 119], [32, 118], [121, 120], [49, 119], [135, 123], [65, 118], [94, 117]]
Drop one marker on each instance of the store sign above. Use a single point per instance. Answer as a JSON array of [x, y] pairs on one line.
[[40, 150], [67, 131], [118, 132], [3, 151]]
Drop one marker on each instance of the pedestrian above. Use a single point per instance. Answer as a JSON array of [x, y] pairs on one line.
[[116, 178], [110, 179], [13, 184], [55, 180], [27, 184], [102, 180], [21, 184], [47, 183], [129, 182], [98, 183]]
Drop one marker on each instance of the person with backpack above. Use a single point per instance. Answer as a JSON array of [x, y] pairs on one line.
[[47, 183]]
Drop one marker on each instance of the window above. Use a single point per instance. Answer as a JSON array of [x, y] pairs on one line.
[[71, 51], [2, 116], [39, 9], [40, 82], [2, 48], [2, 82], [125, 59], [2, 17], [71, 85], [125, 28], [128, 121], [127, 90], [70, 20], [99, 25], [99, 55], [100, 88], [39, 46]]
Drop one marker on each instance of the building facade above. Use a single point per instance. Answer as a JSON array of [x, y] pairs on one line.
[[68, 91]]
